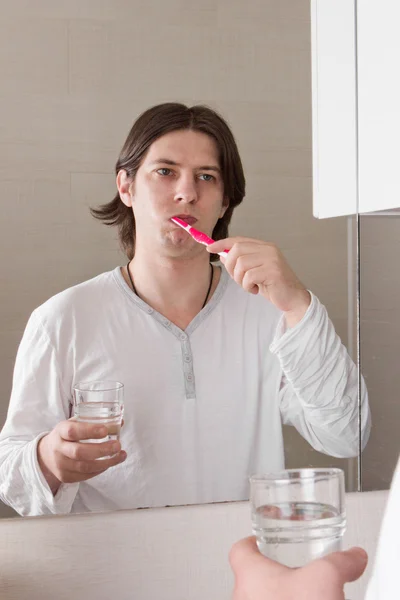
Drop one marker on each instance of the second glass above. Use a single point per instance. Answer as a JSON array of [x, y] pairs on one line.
[[100, 402], [298, 515]]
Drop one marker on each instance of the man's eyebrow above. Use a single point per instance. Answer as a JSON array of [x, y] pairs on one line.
[[168, 161], [210, 168], [165, 161]]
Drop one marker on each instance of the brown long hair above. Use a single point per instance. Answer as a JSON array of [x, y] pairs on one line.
[[151, 125]]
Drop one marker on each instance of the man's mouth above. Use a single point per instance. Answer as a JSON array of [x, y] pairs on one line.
[[187, 218]]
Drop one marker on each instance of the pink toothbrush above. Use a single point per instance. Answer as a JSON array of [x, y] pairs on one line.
[[197, 235]]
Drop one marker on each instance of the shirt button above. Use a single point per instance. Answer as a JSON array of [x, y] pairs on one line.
[[183, 337], [187, 357], [149, 310], [189, 377], [167, 323]]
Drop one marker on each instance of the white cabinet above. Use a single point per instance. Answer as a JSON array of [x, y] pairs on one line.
[[356, 106]]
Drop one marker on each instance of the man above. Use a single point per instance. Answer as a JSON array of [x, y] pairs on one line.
[[258, 578], [213, 359]]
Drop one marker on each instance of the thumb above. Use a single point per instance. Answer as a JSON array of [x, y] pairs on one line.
[[220, 246], [242, 551], [245, 553], [350, 565]]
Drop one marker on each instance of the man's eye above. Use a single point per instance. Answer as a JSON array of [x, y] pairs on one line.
[[164, 172], [206, 177]]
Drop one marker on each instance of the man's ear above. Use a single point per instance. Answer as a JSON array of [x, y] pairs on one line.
[[124, 184], [224, 207]]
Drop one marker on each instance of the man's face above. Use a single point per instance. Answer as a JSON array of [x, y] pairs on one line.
[[179, 176]]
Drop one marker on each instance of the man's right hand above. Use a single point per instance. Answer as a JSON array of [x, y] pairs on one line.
[[63, 458]]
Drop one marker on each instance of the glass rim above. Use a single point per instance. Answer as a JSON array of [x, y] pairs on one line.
[[299, 474], [108, 386]]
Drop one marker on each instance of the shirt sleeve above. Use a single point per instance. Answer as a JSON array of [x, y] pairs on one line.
[[384, 583], [38, 402], [319, 388]]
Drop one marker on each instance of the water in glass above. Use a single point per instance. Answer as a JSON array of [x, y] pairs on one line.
[[294, 533]]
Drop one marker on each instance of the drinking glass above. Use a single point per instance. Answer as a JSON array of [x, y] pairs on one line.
[[298, 514], [100, 402]]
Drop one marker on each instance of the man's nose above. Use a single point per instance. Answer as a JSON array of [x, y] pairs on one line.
[[186, 190]]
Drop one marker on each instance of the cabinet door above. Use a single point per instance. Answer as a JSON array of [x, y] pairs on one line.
[[334, 125], [355, 105], [378, 59]]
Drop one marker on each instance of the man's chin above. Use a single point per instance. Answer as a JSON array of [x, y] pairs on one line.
[[182, 247]]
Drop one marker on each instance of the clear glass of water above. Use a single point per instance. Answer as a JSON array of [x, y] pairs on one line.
[[298, 514], [100, 402]]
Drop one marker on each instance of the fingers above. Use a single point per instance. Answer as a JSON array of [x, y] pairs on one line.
[[72, 471], [251, 262], [246, 274], [349, 565], [74, 431], [253, 278], [238, 267], [76, 460], [62, 457], [228, 243], [221, 245], [94, 467], [86, 451], [245, 554], [238, 263], [240, 250]]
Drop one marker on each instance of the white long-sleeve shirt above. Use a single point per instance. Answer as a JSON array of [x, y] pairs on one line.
[[203, 407]]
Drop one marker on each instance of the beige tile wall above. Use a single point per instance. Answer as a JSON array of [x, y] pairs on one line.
[[75, 74], [380, 344]]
